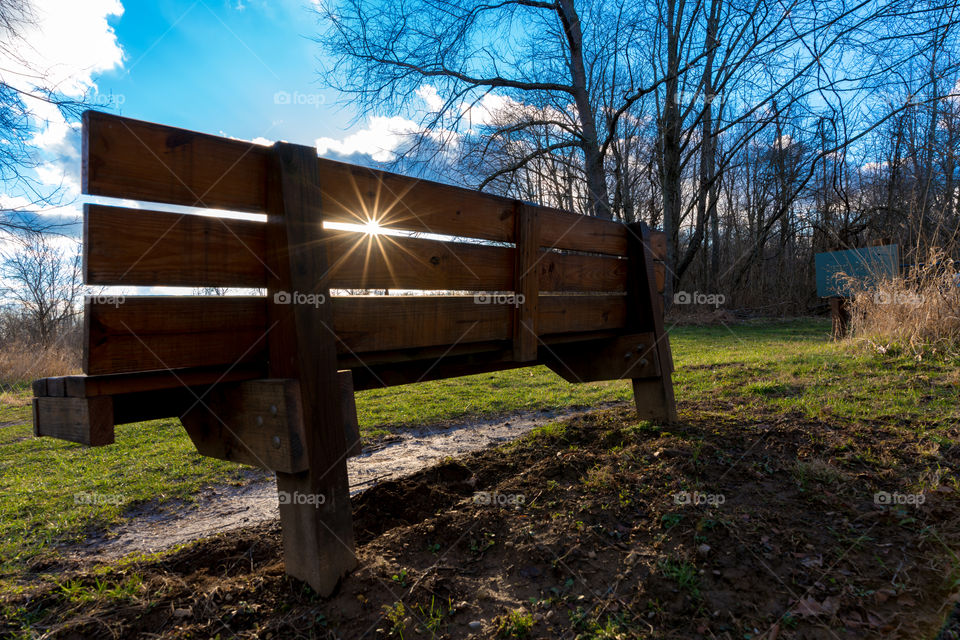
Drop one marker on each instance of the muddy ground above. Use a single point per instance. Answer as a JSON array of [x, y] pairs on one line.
[[601, 528], [217, 509]]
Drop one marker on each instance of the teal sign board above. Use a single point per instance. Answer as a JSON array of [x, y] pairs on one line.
[[863, 265]]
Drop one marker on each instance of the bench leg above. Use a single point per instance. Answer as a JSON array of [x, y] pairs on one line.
[[651, 400], [317, 526]]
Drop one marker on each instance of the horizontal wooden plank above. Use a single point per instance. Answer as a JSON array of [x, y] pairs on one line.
[[626, 356], [149, 248], [87, 421], [379, 323], [571, 314], [581, 273], [565, 230], [166, 332], [125, 158], [83, 386], [357, 195], [148, 333], [364, 261]]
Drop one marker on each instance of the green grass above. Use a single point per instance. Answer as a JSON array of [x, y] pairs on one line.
[[753, 371]]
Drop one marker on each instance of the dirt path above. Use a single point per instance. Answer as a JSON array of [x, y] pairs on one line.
[[224, 508]]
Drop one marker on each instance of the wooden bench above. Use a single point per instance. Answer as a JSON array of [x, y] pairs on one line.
[[269, 380]]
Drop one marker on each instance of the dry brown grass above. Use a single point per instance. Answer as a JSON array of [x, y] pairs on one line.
[[918, 313], [21, 363]]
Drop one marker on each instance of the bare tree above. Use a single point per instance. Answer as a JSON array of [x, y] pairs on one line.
[[43, 284], [20, 86], [575, 64]]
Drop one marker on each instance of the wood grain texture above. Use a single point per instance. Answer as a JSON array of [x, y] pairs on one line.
[[82, 386], [581, 273], [627, 356], [565, 230], [167, 332], [527, 284], [86, 421], [258, 422], [653, 398], [318, 543], [160, 332], [149, 248], [125, 158]]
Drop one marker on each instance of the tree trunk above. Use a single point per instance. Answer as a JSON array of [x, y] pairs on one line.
[[598, 198]]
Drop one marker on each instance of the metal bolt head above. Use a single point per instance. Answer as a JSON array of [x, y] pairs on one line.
[[273, 409], [259, 421], [276, 442], [627, 355]]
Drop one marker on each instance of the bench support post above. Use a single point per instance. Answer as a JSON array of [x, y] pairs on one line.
[[315, 509], [653, 397], [526, 283]]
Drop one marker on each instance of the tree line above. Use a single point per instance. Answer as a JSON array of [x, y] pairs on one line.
[[755, 133]]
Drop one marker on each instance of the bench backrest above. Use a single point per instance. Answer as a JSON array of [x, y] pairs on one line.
[[565, 295]]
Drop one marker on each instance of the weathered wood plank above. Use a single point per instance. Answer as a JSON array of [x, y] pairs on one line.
[[317, 535], [166, 332], [148, 248], [581, 273], [527, 284], [366, 261], [258, 422], [565, 230], [82, 386], [125, 158], [571, 314], [653, 397], [86, 421], [160, 332], [627, 356], [205, 251]]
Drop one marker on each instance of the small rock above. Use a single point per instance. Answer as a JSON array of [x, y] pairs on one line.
[[591, 554], [182, 613], [703, 549], [475, 625]]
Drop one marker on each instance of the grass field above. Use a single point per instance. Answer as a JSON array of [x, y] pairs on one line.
[[755, 370]]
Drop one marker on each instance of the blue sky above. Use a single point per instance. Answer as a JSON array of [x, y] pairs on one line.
[[223, 66], [247, 69]]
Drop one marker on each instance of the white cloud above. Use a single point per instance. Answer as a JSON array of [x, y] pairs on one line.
[[431, 96], [71, 42], [63, 48], [382, 137]]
